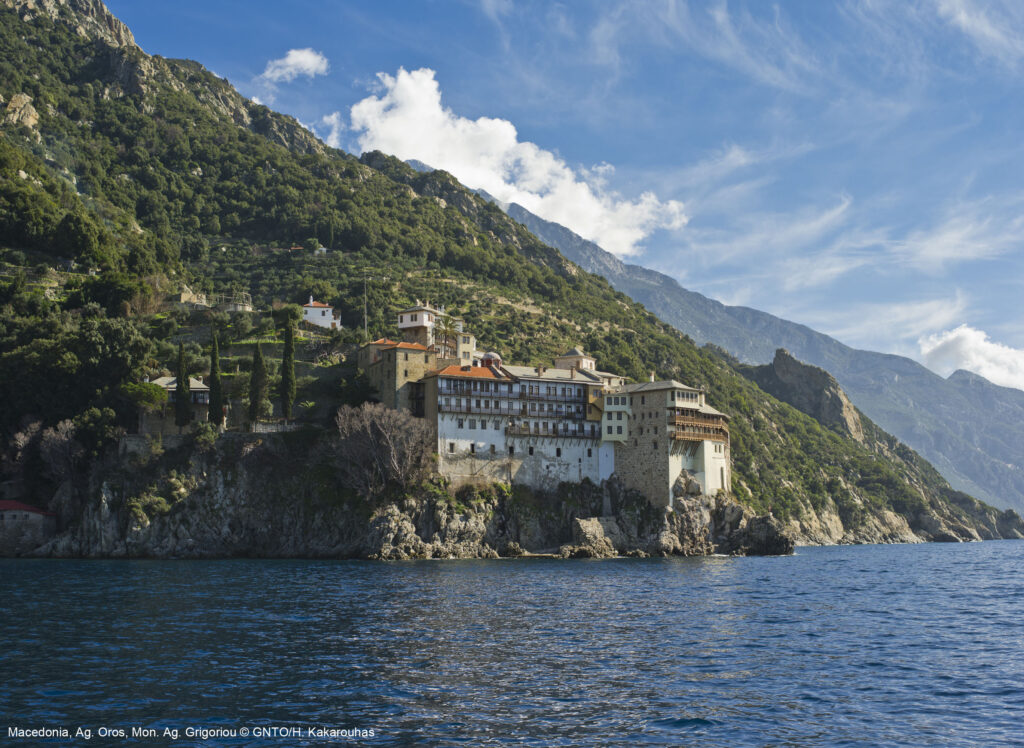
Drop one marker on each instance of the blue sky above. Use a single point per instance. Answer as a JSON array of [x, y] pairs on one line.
[[853, 165]]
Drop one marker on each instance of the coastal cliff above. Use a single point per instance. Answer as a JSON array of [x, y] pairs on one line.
[[930, 509], [245, 498]]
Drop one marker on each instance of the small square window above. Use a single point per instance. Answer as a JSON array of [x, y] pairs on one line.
[[558, 451], [531, 450], [451, 447], [511, 451]]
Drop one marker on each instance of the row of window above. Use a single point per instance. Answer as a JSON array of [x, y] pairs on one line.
[[552, 409], [455, 387], [550, 389], [415, 317], [201, 398], [496, 425], [511, 450]]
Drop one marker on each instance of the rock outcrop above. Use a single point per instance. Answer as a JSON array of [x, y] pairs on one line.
[[810, 390], [89, 18], [20, 111], [240, 501]]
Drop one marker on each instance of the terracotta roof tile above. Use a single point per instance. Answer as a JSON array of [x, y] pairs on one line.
[[17, 506], [478, 372]]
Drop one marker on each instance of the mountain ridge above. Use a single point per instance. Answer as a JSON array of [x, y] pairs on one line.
[[127, 145], [934, 415]]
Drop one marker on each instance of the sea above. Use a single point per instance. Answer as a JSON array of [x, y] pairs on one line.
[[854, 645]]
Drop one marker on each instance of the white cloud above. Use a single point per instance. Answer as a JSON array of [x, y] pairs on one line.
[[978, 230], [994, 27], [298, 62], [335, 126], [766, 50], [889, 327], [967, 348], [764, 235], [495, 9], [408, 120]]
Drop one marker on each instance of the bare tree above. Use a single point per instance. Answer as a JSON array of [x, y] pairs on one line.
[[17, 454], [60, 450], [378, 447]]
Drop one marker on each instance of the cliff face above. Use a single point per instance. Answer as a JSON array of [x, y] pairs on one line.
[[936, 512], [810, 390], [226, 507], [125, 69], [89, 19]]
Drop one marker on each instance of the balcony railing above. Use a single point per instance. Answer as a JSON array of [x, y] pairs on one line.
[[520, 430], [690, 428], [467, 392], [497, 410], [554, 397]]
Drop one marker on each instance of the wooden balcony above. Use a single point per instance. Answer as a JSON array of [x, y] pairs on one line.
[[689, 428], [519, 430]]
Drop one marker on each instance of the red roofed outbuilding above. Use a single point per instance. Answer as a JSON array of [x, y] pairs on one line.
[[24, 528]]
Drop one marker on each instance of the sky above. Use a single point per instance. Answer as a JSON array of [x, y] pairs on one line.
[[853, 165]]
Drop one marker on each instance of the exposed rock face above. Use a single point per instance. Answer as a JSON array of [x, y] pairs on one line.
[[20, 111], [89, 18], [810, 390], [253, 498], [125, 69], [241, 506]]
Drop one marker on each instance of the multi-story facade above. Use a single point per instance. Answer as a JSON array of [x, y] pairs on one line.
[[668, 429], [518, 424], [539, 426], [435, 328], [395, 371]]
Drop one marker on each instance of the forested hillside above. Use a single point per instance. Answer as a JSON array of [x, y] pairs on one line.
[[156, 173]]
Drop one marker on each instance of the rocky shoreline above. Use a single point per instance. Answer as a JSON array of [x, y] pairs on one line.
[[216, 521], [253, 498]]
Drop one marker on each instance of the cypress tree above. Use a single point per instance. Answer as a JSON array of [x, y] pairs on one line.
[[182, 395], [257, 385], [216, 393], [287, 391]]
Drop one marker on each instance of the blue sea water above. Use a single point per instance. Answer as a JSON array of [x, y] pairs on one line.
[[868, 645]]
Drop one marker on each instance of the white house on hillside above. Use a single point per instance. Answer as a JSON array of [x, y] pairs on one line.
[[320, 314]]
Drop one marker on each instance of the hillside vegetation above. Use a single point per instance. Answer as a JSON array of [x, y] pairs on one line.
[[155, 172]]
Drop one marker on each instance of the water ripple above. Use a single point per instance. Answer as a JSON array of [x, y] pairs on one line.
[[893, 645]]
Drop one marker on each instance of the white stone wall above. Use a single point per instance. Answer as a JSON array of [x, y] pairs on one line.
[[468, 455], [319, 316]]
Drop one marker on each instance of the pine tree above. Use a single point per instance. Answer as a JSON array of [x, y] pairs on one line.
[[257, 386], [216, 393], [182, 395], [287, 390]]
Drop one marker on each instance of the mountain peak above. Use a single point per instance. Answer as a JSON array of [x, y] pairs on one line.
[[90, 19]]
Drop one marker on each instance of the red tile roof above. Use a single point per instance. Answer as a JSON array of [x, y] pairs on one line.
[[319, 305], [17, 506], [412, 346], [481, 372], [382, 341]]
